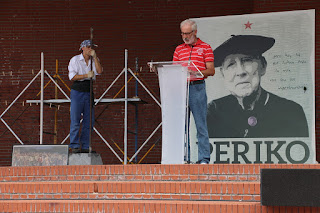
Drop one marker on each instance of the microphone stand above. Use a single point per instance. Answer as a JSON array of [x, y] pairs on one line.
[[188, 113]]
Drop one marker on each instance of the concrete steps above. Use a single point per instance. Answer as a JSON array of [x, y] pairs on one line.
[[124, 206], [137, 188], [146, 190], [146, 172]]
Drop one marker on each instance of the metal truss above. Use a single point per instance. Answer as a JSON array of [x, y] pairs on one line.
[[96, 101]]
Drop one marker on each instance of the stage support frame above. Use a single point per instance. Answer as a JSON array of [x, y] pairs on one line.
[[67, 100]]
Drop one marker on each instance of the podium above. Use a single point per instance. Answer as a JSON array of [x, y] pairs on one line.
[[174, 78]]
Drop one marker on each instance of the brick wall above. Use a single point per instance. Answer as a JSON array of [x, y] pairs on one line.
[[148, 29]]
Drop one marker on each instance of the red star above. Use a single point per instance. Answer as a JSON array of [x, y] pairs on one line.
[[248, 25]]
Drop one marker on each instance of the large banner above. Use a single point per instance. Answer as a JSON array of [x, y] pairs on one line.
[[261, 99]]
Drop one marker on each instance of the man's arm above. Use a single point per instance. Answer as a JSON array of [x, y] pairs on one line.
[[210, 71], [98, 65], [80, 77], [96, 61]]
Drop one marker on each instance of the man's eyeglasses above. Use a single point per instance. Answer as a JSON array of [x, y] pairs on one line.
[[182, 33]]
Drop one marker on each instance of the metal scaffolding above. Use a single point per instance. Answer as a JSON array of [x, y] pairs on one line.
[[96, 101]]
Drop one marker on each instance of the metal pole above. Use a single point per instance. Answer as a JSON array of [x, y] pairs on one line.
[[114, 81], [56, 109], [91, 91], [35, 77], [136, 112], [125, 106], [41, 97], [150, 136], [57, 85], [144, 87], [187, 122]]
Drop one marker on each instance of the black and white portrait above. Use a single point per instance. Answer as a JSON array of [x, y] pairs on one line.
[[250, 110], [261, 100]]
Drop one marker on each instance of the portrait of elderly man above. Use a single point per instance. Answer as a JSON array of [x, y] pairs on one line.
[[250, 111]]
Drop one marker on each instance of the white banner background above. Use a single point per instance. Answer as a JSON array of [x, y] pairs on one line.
[[290, 74]]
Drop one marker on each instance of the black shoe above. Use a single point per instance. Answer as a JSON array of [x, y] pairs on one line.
[[85, 150], [74, 150]]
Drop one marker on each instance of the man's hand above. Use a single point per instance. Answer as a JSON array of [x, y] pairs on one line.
[[93, 54], [90, 74]]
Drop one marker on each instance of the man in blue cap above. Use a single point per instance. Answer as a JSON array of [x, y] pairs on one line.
[[250, 111], [80, 74]]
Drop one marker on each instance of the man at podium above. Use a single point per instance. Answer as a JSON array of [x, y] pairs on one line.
[[201, 54]]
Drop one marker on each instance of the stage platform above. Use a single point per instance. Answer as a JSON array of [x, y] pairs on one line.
[[51, 155]]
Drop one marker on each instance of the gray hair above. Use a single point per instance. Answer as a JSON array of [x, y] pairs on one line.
[[190, 22]]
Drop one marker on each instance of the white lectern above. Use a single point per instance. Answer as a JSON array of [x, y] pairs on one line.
[[173, 82]]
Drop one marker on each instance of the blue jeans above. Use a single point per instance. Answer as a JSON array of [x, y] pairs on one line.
[[80, 104], [198, 107]]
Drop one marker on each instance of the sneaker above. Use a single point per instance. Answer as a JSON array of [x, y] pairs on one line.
[[203, 162]]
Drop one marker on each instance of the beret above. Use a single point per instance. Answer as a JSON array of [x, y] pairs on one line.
[[242, 44]]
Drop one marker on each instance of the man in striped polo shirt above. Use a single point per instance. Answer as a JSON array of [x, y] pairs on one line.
[[201, 54]]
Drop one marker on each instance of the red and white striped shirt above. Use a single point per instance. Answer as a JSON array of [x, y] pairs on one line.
[[199, 54]]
